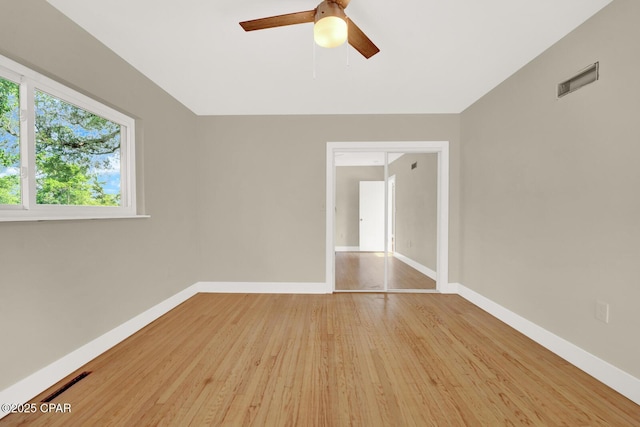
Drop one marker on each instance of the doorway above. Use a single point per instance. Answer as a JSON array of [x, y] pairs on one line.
[[380, 270]]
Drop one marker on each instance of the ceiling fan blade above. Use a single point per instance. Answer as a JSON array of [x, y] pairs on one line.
[[360, 41], [342, 3], [279, 21]]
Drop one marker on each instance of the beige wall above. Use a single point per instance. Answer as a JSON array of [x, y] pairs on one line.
[[262, 205], [348, 201], [417, 207], [64, 283], [551, 190]]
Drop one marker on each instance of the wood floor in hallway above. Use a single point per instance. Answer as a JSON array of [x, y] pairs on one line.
[[365, 271], [360, 359]]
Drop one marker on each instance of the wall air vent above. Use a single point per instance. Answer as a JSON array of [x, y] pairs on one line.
[[583, 78]]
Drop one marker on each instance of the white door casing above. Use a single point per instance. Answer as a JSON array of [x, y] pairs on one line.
[[439, 147]]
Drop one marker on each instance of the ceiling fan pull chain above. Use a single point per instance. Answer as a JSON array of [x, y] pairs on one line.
[[348, 56], [314, 60]]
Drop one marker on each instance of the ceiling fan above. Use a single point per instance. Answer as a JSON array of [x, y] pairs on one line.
[[331, 28]]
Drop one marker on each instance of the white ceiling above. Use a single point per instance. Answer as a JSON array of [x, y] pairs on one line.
[[437, 56]]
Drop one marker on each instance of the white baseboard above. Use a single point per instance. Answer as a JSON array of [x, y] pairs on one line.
[[449, 288], [617, 379], [262, 288], [347, 248], [41, 380], [421, 268]]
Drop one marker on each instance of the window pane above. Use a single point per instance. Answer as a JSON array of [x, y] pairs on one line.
[[9, 143], [77, 155]]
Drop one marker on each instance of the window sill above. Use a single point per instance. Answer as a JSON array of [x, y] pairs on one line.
[[67, 218]]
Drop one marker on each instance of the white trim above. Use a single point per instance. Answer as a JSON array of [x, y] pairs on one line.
[[41, 380], [261, 287], [389, 291], [330, 214], [416, 265], [347, 248], [13, 69], [385, 220], [439, 147], [449, 288], [442, 235], [84, 216], [614, 377]]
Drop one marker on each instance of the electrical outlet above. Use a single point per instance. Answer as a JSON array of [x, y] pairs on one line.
[[602, 311]]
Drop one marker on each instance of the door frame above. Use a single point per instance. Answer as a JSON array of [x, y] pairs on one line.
[[391, 212], [441, 148]]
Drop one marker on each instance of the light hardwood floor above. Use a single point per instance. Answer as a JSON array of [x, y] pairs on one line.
[[333, 360], [365, 271]]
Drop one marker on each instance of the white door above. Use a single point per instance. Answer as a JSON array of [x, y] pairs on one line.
[[372, 216]]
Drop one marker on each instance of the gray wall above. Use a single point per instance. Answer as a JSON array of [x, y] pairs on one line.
[[64, 283], [262, 208], [551, 190], [348, 201], [417, 207]]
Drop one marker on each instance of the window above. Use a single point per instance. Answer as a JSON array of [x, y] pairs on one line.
[[9, 142], [62, 155]]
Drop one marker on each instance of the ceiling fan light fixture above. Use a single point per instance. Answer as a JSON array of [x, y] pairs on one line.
[[330, 32], [330, 28]]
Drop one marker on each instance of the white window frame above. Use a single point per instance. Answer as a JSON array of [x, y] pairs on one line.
[[30, 81]]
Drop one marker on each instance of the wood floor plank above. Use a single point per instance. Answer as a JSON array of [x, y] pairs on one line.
[[332, 360], [365, 271]]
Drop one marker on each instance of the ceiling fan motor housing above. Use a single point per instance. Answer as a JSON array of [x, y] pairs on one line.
[[329, 8]]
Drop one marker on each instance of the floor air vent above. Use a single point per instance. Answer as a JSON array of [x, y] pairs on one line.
[[65, 387], [583, 78]]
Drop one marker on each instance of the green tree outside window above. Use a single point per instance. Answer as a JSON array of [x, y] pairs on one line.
[[77, 152], [9, 143]]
